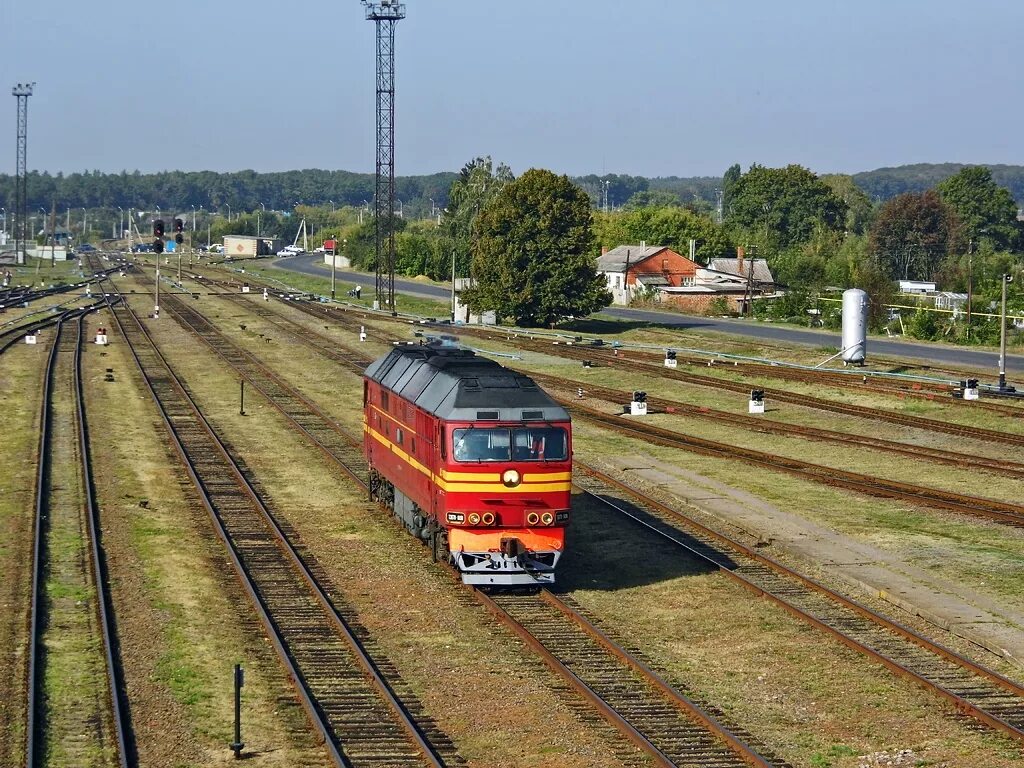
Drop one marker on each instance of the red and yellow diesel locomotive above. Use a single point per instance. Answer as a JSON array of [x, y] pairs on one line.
[[473, 458]]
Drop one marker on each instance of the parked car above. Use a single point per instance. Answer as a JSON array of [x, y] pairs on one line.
[[84, 248], [290, 250], [142, 248]]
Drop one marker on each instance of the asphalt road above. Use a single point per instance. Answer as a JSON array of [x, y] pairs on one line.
[[939, 354]]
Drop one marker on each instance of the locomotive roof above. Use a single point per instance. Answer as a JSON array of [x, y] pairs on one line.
[[457, 385]]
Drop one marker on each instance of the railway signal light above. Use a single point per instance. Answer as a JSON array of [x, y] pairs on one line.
[[756, 401], [638, 406], [158, 228], [970, 389], [670, 358], [179, 227], [579, 392]]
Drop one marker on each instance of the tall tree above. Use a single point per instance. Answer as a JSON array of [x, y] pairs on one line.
[[912, 233], [533, 257], [859, 210], [984, 208], [783, 206], [729, 181], [476, 185]]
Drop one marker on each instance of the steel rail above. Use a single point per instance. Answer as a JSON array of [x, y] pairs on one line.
[[992, 509], [35, 605], [606, 711], [924, 453], [897, 629], [578, 352], [788, 603], [367, 665], [104, 602]]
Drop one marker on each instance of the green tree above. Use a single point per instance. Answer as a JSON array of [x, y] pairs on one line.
[[912, 234], [729, 181], [985, 209], [653, 198], [859, 210], [782, 206], [476, 185], [673, 227], [533, 257]]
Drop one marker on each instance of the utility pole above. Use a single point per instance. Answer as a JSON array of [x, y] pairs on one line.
[[453, 285], [21, 92], [1006, 280], [385, 14], [970, 281]]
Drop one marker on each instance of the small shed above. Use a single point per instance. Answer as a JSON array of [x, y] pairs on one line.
[[243, 246]]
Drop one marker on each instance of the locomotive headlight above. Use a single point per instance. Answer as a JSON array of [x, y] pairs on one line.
[[511, 478], [547, 518], [474, 518], [487, 518], [533, 518]]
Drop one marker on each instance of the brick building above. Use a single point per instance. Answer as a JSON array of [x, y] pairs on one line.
[[630, 269]]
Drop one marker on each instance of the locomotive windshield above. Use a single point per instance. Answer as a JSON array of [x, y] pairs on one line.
[[516, 444]]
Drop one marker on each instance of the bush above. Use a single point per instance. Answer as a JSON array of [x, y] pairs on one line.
[[718, 306]]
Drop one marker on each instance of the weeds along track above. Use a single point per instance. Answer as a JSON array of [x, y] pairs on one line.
[[919, 495], [628, 361], [770, 426], [642, 707], [75, 710], [349, 697], [971, 688], [1003, 512], [16, 332]]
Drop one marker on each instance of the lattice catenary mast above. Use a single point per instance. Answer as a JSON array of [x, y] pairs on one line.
[[385, 14], [21, 91]]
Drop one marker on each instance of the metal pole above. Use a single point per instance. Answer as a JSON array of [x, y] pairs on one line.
[[237, 746], [334, 263], [178, 251], [1002, 336], [156, 308], [453, 285], [241, 397], [970, 280]]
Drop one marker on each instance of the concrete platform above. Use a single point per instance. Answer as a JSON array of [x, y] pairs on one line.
[[976, 617]]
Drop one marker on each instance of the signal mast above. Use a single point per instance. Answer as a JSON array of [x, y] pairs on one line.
[[386, 14]]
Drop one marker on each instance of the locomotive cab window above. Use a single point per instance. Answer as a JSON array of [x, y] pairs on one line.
[[503, 444], [539, 443]]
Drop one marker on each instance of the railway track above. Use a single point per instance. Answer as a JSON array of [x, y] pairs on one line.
[[890, 447], [971, 688], [95, 721], [647, 711], [1003, 512], [607, 357], [919, 495], [15, 333], [349, 700]]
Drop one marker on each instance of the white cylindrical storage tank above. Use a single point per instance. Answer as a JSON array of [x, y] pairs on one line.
[[855, 325]]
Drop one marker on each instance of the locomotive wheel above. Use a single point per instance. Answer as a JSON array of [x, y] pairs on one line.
[[439, 545]]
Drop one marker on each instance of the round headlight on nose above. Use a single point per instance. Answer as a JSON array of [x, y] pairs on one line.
[[511, 478], [547, 518], [474, 518], [533, 518], [487, 518]]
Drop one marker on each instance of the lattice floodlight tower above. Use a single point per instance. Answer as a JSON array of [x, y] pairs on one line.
[[385, 14], [21, 92]]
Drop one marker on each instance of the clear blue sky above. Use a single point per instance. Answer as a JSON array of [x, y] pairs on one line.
[[657, 88]]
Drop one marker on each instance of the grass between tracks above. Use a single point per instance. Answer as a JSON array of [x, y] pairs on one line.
[[21, 370], [182, 618], [815, 702], [489, 696]]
